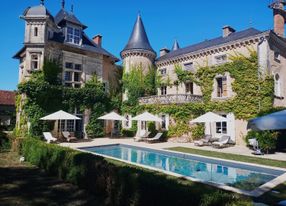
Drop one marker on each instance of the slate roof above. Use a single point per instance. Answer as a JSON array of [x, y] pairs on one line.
[[63, 16], [7, 98], [87, 45], [138, 38], [175, 45], [39, 10], [210, 43]]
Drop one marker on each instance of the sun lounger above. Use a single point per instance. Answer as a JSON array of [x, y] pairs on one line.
[[154, 139], [49, 137], [222, 142], [68, 136], [141, 137], [204, 141]]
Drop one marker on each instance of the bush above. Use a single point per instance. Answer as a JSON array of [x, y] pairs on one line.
[[267, 140], [152, 129], [198, 131], [5, 142], [179, 129], [116, 183]]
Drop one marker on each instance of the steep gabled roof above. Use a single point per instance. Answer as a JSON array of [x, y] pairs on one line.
[[138, 38], [64, 16], [210, 43]]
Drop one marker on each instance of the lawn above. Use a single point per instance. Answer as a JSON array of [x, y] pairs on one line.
[[272, 197], [24, 184], [235, 157]]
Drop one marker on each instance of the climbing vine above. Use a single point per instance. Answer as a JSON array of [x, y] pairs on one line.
[[253, 93], [43, 94]]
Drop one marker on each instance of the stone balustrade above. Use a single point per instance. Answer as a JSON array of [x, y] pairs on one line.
[[170, 99]]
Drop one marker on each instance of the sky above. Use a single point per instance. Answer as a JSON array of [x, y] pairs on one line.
[[188, 21]]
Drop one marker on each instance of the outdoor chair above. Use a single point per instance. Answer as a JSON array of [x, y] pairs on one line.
[[254, 143], [222, 142], [154, 139], [49, 137], [67, 135], [204, 141], [141, 137]]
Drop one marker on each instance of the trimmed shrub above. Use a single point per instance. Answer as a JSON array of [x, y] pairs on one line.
[[116, 183]]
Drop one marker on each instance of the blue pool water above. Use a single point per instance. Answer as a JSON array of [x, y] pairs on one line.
[[240, 176]]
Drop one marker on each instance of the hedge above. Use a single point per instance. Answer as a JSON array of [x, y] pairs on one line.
[[116, 183]]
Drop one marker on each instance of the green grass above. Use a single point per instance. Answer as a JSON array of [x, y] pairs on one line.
[[272, 197], [235, 157]]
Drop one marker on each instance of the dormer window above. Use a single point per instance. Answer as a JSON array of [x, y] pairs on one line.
[[73, 35]]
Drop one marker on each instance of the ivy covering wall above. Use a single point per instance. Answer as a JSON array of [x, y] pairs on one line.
[[253, 93], [44, 93]]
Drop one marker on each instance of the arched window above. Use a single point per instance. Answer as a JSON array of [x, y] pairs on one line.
[[36, 31], [277, 85]]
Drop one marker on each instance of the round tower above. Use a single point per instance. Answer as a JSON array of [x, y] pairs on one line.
[[138, 51]]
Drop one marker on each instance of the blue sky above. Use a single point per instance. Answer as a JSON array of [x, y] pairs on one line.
[[188, 21]]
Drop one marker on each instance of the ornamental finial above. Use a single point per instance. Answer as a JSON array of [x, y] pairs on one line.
[[63, 4]]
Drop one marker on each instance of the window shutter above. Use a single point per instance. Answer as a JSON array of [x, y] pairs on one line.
[[224, 87]]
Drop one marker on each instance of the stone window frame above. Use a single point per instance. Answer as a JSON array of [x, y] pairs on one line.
[[277, 85], [36, 31], [163, 71], [35, 62], [189, 66], [163, 90], [229, 81], [191, 89], [127, 124], [219, 61]]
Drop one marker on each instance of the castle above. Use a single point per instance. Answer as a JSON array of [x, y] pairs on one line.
[[270, 47], [62, 38]]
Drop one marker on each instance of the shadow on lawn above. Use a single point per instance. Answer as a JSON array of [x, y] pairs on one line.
[[30, 186]]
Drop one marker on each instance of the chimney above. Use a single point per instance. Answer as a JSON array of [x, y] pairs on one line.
[[97, 39], [164, 51], [279, 15], [227, 30]]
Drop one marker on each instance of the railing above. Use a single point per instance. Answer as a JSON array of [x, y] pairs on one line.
[[170, 99]]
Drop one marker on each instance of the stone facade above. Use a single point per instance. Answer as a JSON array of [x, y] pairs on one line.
[[62, 38], [269, 45]]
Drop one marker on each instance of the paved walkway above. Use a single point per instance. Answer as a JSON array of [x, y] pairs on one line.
[[243, 150]]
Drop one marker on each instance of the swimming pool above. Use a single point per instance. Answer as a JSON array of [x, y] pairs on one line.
[[237, 175]]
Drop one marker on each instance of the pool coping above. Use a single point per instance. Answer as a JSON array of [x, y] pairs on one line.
[[254, 193]]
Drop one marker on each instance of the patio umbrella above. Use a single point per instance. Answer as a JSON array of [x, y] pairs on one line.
[[148, 117], [112, 116], [274, 121], [209, 117], [59, 116]]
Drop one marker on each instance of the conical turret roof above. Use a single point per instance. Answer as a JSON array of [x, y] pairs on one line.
[[138, 38], [175, 45]]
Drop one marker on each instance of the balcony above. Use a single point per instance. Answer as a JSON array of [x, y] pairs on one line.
[[171, 99]]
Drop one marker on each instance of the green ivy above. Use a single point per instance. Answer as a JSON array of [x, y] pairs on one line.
[[254, 95], [43, 94]]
